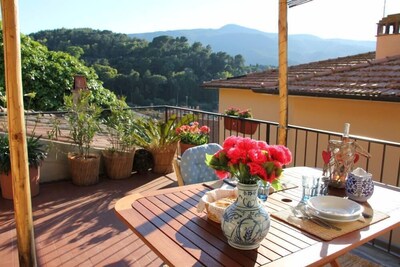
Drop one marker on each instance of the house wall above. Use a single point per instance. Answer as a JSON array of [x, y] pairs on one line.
[[387, 45], [374, 119]]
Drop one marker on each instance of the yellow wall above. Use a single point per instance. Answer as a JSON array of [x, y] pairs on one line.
[[387, 45], [374, 119]]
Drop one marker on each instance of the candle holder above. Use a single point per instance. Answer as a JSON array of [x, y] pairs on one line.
[[341, 162]]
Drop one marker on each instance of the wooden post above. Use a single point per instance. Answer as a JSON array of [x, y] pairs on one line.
[[283, 90], [17, 134]]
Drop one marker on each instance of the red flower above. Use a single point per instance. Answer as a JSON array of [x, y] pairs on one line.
[[204, 129], [258, 156], [249, 160], [222, 174], [257, 170], [280, 153]]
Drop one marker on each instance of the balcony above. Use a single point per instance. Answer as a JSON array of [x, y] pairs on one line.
[[77, 225]]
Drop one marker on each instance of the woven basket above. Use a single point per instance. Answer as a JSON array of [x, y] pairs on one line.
[[118, 165], [84, 171], [210, 199], [163, 158]]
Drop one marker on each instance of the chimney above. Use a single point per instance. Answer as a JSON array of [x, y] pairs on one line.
[[388, 37]]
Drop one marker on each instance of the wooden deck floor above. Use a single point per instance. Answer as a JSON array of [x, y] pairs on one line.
[[76, 226]]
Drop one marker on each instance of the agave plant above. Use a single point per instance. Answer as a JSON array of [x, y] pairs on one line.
[[36, 152], [152, 134]]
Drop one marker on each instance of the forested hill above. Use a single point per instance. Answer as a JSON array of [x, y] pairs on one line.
[[165, 70], [259, 47]]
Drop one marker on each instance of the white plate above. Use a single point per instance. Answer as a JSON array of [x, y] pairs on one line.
[[319, 215], [335, 207]]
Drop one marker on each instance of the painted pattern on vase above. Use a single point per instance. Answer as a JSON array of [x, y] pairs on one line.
[[246, 222]]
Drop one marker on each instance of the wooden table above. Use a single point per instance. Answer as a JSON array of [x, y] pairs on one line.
[[168, 222]]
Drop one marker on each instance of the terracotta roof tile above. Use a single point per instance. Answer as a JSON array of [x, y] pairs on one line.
[[359, 76]]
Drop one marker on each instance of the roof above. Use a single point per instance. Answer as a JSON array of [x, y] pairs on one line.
[[358, 77]]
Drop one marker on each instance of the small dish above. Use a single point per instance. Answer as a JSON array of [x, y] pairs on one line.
[[341, 220], [336, 208]]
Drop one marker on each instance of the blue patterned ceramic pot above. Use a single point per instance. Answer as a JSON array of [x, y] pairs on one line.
[[359, 185], [246, 222]]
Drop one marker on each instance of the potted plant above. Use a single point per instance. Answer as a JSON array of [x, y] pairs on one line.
[[84, 121], [160, 139], [236, 121], [36, 154], [143, 161], [231, 124], [120, 155], [192, 135]]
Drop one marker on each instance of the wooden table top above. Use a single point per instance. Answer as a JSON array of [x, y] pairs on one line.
[[168, 222]]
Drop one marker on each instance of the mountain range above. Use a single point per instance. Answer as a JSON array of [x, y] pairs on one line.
[[259, 47]]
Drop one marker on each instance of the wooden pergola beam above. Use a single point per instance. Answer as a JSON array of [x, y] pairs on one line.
[[283, 79], [17, 134]]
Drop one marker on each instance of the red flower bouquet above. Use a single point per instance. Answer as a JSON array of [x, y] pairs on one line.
[[249, 160]]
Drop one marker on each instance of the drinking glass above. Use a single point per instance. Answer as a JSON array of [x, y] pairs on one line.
[[263, 190], [310, 187], [323, 186]]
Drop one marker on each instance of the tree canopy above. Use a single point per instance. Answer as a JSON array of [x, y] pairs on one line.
[[50, 76], [166, 70]]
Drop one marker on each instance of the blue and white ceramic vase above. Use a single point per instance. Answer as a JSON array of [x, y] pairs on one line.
[[246, 222], [359, 185]]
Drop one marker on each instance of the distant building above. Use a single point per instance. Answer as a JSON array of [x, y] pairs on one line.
[[363, 90]]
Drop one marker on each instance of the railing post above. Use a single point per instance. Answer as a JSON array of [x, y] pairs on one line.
[[165, 114]]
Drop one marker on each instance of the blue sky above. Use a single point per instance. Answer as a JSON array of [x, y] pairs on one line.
[[346, 19]]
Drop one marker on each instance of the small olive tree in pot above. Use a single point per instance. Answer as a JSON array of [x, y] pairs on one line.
[[84, 121], [119, 156]]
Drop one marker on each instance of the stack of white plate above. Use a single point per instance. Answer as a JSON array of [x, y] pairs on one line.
[[335, 209]]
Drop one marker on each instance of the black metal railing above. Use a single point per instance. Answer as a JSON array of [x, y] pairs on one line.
[[306, 145]]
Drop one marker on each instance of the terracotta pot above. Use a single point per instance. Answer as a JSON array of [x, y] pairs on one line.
[[240, 125], [6, 183], [247, 127], [231, 124], [184, 147], [84, 171], [118, 165]]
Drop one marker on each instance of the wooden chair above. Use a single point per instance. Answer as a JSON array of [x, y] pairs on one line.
[[177, 168], [191, 167]]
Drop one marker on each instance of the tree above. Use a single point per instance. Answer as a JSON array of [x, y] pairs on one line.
[[167, 68], [50, 75]]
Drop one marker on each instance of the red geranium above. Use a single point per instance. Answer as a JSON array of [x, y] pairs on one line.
[[249, 160]]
